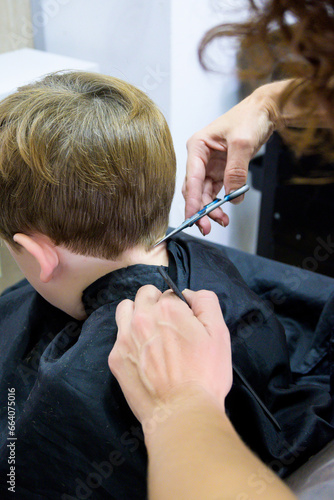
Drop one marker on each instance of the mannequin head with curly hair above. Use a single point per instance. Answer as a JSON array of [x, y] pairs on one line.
[[289, 39]]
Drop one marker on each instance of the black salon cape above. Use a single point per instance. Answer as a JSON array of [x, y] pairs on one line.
[[76, 436]]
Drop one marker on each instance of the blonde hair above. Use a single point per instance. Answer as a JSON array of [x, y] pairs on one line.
[[87, 160]]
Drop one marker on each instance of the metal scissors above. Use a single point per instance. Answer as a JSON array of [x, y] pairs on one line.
[[205, 211]]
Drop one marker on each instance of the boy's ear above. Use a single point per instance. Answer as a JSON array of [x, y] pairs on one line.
[[43, 251]]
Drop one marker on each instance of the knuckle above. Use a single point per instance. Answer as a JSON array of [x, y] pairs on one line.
[[170, 304], [140, 320], [111, 357], [196, 141], [184, 189], [146, 290], [113, 361], [191, 141], [188, 143], [236, 174], [166, 305], [143, 327], [123, 305]]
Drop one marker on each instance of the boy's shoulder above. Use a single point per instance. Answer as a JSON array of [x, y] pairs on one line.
[[16, 296], [25, 315], [23, 286]]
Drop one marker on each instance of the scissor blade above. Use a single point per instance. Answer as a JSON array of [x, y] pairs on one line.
[[175, 231], [187, 223], [205, 211]]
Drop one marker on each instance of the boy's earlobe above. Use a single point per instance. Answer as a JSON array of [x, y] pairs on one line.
[[43, 251]]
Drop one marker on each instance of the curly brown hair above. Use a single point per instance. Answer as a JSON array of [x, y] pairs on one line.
[[290, 39]]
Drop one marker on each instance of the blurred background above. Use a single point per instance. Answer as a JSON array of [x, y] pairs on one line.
[[153, 45]]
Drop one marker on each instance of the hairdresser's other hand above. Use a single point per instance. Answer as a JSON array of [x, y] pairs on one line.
[[219, 154], [165, 350]]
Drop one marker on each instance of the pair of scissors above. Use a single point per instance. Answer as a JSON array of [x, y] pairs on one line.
[[205, 211]]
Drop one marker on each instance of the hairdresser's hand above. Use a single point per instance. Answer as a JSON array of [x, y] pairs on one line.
[[219, 154], [165, 351]]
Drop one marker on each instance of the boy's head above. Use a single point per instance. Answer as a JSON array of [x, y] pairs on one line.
[[86, 160]]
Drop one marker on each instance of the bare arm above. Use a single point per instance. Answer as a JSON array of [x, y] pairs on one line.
[[196, 453]]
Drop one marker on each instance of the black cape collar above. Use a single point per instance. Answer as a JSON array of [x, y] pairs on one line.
[[125, 282]]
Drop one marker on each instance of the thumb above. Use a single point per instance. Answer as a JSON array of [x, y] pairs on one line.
[[239, 154]]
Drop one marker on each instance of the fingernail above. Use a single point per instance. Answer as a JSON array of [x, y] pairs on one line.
[[221, 222], [201, 229]]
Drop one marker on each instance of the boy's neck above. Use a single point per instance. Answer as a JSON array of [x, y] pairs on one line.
[[66, 274], [81, 271]]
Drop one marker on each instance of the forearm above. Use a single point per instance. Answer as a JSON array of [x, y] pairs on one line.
[[196, 453], [291, 113]]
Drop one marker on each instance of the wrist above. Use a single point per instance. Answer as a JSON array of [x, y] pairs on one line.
[[267, 98], [188, 402]]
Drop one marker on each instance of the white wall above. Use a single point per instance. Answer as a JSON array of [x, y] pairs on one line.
[[153, 44], [129, 39], [198, 97]]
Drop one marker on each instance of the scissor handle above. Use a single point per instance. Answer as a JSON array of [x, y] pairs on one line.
[[191, 221], [215, 204], [205, 211]]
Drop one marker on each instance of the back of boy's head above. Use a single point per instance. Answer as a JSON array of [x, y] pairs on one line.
[[87, 160]]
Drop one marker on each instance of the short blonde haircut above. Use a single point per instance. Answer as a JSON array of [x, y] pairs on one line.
[[87, 160]]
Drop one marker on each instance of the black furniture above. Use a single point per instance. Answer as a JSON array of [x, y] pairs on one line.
[[297, 209]]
